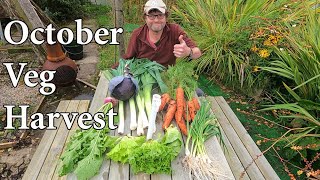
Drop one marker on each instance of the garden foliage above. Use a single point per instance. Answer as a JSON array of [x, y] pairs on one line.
[[265, 47]]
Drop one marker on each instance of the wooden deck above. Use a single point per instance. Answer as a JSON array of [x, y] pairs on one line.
[[230, 161]]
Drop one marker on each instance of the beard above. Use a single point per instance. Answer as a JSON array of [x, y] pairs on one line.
[[156, 27]]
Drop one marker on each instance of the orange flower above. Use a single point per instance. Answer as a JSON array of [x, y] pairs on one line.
[[254, 49], [264, 53], [267, 42], [255, 69], [299, 172]]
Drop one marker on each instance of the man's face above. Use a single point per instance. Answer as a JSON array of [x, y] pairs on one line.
[[156, 20]]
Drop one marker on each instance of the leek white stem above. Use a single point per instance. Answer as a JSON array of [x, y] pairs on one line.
[[156, 101], [121, 118], [143, 114], [145, 120], [148, 103], [133, 115], [140, 130]]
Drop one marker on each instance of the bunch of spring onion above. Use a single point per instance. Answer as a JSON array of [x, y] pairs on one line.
[[203, 127]]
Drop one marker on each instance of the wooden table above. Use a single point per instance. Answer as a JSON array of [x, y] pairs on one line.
[[112, 170], [230, 161]]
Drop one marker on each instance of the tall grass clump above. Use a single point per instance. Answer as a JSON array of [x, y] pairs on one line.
[[231, 34], [300, 62], [299, 65]]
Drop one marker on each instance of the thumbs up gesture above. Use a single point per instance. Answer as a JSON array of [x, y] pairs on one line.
[[181, 49]]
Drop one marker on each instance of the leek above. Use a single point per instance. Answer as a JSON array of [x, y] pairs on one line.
[[121, 118], [156, 101], [142, 117], [133, 115], [147, 82]]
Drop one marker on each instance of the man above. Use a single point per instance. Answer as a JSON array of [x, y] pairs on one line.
[[158, 40]]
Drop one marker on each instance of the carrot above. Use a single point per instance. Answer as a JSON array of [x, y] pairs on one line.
[[196, 103], [182, 125], [191, 109], [169, 115], [180, 110], [186, 115], [180, 102], [165, 98]]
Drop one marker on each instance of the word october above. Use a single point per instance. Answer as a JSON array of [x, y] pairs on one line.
[[49, 33]]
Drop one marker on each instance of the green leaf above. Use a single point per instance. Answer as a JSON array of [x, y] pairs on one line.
[[83, 148], [298, 136], [151, 158], [75, 151], [89, 166], [122, 151], [309, 105], [296, 96], [173, 140]]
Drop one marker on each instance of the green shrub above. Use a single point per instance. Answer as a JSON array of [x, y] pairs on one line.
[[228, 31], [63, 10]]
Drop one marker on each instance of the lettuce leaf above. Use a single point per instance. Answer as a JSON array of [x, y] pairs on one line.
[[84, 151], [156, 156], [123, 149], [152, 157], [173, 140]]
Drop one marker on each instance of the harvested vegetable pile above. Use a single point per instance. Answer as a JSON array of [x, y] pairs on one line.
[[86, 151], [142, 74], [180, 97]]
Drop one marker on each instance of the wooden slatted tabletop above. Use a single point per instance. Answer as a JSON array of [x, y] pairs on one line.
[[112, 170], [230, 158]]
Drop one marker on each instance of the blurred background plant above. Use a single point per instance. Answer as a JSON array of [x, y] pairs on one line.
[[265, 49], [63, 10], [236, 37], [299, 64]]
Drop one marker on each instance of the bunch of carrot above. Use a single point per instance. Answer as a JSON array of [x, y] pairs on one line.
[[179, 109], [179, 100]]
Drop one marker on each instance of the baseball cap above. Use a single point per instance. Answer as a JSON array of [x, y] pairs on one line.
[[155, 4]]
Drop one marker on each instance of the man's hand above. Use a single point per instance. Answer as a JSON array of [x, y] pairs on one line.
[[181, 50]]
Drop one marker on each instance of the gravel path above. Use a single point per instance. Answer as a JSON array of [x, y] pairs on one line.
[[21, 94]]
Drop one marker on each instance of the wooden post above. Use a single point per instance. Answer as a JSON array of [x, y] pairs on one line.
[[1, 33], [119, 22], [23, 10]]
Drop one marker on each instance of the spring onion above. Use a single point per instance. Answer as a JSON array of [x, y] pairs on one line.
[[203, 127]]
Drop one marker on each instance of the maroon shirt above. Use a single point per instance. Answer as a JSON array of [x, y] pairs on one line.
[[139, 46]]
